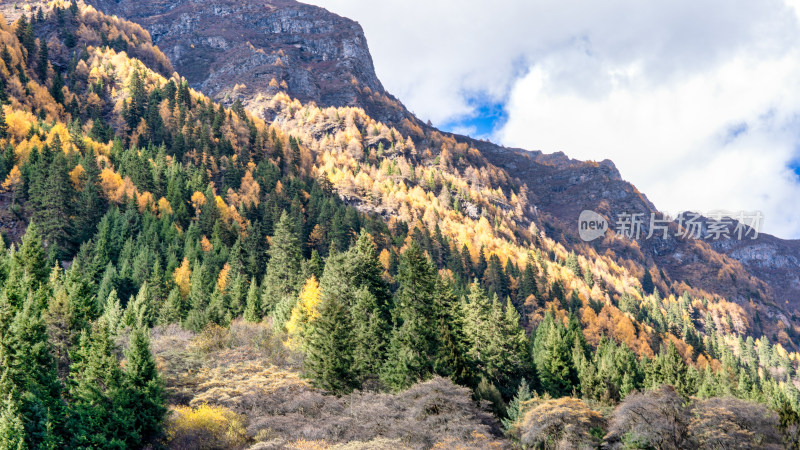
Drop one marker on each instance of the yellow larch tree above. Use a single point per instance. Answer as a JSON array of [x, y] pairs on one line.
[[76, 175], [182, 276], [304, 312], [198, 200], [222, 278], [13, 180]]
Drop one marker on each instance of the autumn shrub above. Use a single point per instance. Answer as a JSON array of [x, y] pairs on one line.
[[559, 424], [650, 419], [239, 385], [212, 338], [725, 422], [205, 427], [425, 414]]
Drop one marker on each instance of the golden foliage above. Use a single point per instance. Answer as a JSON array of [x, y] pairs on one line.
[[13, 180], [205, 427], [385, 259], [163, 207], [76, 177], [205, 244], [19, 122], [116, 189], [145, 201], [198, 200], [182, 276], [222, 278], [249, 191], [59, 131], [304, 312]]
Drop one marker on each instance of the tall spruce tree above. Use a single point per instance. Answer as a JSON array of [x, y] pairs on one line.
[[12, 429], [329, 348], [54, 208], [253, 311], [30, 368], [145, 391], [44, 62], [31, 256], [283, 275], [97, 398], [413, 339], [451, 352], [552, 356]]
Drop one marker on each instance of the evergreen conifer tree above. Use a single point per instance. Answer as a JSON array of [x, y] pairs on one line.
[[145, 392], [283, 274], [329, 349], [413, 340]]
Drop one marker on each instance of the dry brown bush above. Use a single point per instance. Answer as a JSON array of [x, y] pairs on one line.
[[732, 423], [433, 411], [655, 418], [562, 423]]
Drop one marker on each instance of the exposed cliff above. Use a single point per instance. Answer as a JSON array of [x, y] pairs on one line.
[[251, 50]]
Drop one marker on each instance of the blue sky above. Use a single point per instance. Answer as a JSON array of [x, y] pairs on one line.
[[696, 101], [486, 118]]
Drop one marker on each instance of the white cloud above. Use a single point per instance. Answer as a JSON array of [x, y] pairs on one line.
[[696, 101]]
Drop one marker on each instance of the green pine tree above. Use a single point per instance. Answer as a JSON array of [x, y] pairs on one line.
[[171, 310], [514, 410], [552, 356], [44, 63], [413, 340], [12, 431], [29, 369], [253, 310], [141, 312], [54, 208], [197, 317], [98, 416], [283, 275], [329, 349], [145, 396], [31, 256]]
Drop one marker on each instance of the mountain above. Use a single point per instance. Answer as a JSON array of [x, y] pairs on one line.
[[314, 55], [324, 58], [310, 275]]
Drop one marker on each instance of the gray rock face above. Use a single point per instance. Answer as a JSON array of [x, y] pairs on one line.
[[231, 49]]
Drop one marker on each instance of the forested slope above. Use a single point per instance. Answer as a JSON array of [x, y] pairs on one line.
[[192, 273]]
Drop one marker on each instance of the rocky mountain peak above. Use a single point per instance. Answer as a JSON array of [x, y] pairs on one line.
[[251, 50]]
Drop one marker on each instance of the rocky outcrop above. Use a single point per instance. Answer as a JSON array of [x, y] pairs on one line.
[[249, 50]]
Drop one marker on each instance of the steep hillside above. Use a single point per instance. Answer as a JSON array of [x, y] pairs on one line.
[[324, 58], [378, 284]]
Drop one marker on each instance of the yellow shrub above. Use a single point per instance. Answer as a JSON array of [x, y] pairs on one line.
[[303, 444], [205, 427]]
